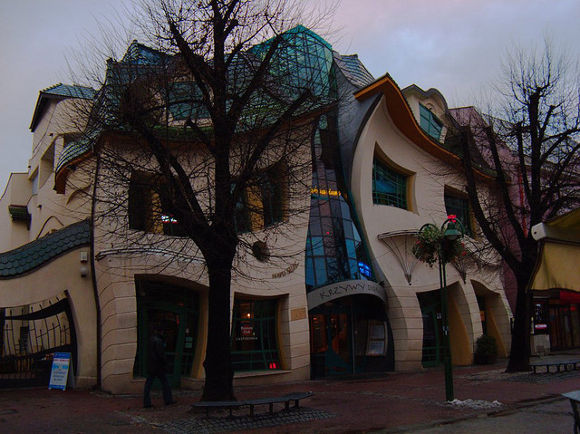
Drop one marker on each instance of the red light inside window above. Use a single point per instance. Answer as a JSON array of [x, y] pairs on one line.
[[273, 365]]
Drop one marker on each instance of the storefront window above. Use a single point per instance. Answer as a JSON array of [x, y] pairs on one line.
[[254, 337], [540, 318]]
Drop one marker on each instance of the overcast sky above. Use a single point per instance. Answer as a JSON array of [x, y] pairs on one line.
[[452, 45]]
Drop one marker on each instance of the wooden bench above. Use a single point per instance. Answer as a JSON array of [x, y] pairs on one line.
[[251, 403], [558, 364], [574, 398]]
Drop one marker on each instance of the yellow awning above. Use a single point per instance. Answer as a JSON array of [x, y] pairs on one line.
[[559, 267]]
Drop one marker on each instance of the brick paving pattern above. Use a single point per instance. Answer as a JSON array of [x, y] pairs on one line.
[[218, 424], [392, 402]]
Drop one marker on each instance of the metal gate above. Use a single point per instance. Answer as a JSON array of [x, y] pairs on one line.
[[30, 335]]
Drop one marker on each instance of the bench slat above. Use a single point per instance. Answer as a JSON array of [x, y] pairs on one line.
[[296, 397], [558, 364]]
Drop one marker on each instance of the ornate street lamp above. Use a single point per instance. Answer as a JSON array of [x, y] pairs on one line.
[[452, 230]]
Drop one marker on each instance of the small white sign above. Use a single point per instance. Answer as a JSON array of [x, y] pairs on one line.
[[60, 371]]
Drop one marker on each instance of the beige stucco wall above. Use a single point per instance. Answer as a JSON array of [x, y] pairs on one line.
[[17, 192], [116, 273], [51, 280], [49, 212], [159, 256], [428, 179], [35, 189]]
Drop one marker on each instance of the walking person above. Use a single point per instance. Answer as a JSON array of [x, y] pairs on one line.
[[156, 366]]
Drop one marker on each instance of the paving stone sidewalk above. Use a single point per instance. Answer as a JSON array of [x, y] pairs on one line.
[[394, 402]]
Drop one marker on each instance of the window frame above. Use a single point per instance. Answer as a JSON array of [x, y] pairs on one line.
[[145, 211], [267, 325], [465, 207], [258, 209], [400, 198], [430, 123]]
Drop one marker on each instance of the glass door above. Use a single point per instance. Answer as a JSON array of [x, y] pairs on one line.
[[432, 333], [178, 326], [338, 355], [330, 340], [169, 320]]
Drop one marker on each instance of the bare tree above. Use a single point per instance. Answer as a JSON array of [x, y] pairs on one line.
[[531, 144], [207, 137]]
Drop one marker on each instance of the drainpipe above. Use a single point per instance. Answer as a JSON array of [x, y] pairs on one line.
[[93, 274]]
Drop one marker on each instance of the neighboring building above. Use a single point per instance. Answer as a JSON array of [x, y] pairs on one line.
[[555, 322], [556, 284], [351, 298], [477, 124]]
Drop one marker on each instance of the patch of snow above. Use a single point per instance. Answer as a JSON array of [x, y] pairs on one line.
[[474, 403]]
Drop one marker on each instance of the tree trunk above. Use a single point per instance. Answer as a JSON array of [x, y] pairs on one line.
[[520, 349], [219, 373]]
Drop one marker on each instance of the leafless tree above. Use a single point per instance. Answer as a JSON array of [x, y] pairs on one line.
[[207, 132], [531, 144]]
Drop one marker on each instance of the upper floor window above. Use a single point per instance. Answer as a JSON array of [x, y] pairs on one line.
[[146, 212], [263, 202], [459, 206], [430, 123], [389, 187], [34, 181], [271, 195]]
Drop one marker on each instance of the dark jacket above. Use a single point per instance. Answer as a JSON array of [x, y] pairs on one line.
[[156, 361]]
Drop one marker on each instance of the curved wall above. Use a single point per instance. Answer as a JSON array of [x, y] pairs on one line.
[[428, 177]]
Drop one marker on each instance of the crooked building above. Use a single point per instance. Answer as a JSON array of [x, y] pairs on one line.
[[350, 298]]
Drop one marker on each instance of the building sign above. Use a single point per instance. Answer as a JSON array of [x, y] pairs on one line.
[[60, 371], [286, 271], [247, 329], [298, 313], [319, 296], [246, 332], [322, 192]]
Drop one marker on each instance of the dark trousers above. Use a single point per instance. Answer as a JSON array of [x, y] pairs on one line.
[[167, 398]]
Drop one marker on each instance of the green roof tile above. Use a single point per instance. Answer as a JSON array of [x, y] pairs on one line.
[[38, 252], [70, 91]]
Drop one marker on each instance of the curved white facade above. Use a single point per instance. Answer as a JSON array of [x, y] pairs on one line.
[[389, 230]]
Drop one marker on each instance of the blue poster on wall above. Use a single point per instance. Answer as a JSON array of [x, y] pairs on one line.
[[60, 371]]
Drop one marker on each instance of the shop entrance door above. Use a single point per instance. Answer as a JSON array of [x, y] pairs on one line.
[[432, 334], [179, 324], [331, 343], [350, 336]]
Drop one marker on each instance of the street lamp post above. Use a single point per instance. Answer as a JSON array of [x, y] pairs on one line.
[[451, 233]]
